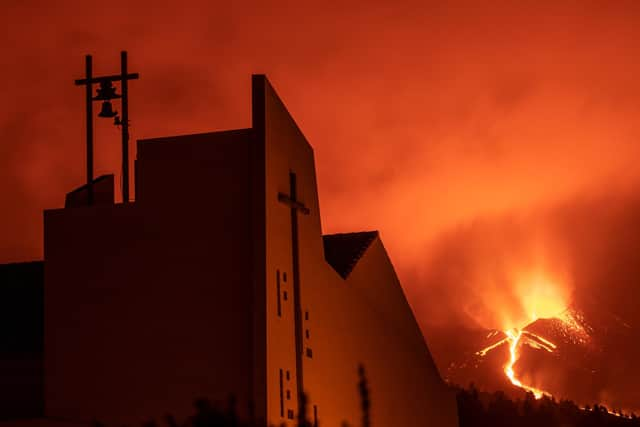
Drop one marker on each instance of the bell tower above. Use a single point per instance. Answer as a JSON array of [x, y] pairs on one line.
[[105, 93]]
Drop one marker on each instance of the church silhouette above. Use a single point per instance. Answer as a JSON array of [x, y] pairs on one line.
[[215, 282]]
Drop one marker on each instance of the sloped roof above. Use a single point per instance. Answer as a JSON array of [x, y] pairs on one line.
[[343, 251]]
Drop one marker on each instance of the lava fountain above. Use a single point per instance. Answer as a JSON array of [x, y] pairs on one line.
[[540, 297]]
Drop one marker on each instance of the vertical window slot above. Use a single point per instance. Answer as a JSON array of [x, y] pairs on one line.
[[281, 397], [278, 290], [315, 415]]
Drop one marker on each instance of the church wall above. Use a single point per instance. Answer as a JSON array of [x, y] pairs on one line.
[[352, 326], [332, 373], [194, 170], [348, 323], [377, 285], [286, 150], [146, 304], [189, 292]]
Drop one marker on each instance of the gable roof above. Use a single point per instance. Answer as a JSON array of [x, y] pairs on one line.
[[343, 251]]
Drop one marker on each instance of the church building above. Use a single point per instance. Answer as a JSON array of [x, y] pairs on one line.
[[217, 282]]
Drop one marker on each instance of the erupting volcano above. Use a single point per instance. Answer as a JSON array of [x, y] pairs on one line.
[[516, 338], [550, 342], [543, 339], [542, 299], [539, 296]]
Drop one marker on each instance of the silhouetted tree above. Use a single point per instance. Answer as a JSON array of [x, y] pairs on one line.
[[303, 421], [477, 409], [365, 400]]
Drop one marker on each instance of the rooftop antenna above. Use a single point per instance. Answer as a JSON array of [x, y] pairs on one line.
[[105, 93]]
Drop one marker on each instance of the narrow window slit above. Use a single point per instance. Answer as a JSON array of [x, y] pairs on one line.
[[315, 415], [278, 290], [281, 399]]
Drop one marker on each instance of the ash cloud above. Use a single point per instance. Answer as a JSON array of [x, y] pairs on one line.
[[595, 239], [423, 114], [423, 117]]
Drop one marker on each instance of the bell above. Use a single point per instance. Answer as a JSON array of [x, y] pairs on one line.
[[107, 110], [106, 91]]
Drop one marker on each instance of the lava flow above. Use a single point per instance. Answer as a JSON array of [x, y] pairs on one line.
[[539, 295], [515, 338]]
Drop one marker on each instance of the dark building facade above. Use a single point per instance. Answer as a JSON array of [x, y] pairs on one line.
[[21, 340], [217, 281]]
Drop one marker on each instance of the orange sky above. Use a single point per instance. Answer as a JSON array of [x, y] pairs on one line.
[[424, 117], [442, 124]]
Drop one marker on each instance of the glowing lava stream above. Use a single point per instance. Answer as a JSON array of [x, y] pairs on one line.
[[514, 338]]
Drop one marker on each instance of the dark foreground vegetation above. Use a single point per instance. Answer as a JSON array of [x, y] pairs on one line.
[[476, 409]]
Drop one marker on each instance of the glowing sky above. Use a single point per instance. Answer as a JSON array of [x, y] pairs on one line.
[[434, 122], [422, 116]]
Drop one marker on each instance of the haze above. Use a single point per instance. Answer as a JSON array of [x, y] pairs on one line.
[[468, 133]]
